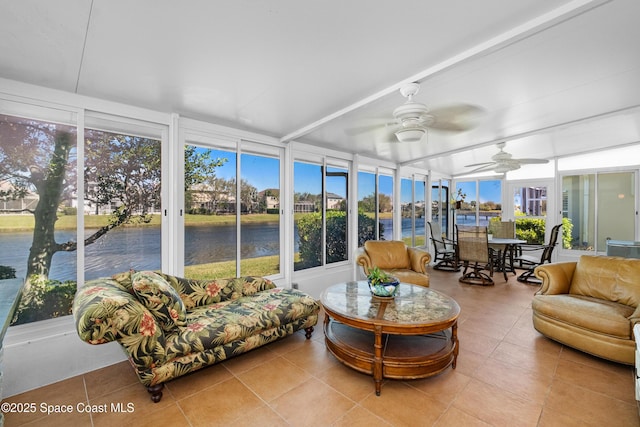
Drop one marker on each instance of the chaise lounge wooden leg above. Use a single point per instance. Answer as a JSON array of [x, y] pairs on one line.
[[308, 331], [156, 392]]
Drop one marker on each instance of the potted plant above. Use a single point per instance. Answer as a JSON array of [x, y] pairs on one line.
[[459, 199], [382, 284]]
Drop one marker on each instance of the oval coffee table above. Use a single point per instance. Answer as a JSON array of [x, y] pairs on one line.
[[412, 335]]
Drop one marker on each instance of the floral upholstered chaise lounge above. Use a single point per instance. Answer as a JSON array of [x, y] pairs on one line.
[[170, 326]]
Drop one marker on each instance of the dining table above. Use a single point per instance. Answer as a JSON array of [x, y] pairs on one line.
[[504, 248]]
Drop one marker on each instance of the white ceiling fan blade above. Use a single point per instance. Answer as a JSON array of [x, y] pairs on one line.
[[456, 118], [531, 161]]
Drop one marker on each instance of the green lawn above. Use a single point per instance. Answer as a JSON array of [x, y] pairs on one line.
[[68, 222]]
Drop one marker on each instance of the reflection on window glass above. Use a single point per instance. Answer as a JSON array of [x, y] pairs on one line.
[[307, 199], [260, 219], [385, 206], [210, 232], [39, 203]]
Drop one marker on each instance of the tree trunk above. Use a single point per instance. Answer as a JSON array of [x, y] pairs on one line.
[[50, 184]]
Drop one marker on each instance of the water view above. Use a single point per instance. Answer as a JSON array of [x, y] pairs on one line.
[[139, 248]]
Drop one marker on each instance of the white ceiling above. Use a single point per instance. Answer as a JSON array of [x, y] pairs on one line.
[[552, 77]]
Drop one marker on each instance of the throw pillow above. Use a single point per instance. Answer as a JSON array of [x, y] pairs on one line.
[[160, 298]]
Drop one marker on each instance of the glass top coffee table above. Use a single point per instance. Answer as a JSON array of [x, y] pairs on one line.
[[412, 335]]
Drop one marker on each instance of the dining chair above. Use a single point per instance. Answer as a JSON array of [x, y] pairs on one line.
[[532, 256], [446, 252], [503, 229], [473, 253], [502, 255]]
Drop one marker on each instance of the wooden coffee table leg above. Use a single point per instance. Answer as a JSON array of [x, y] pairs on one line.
[[377, 358], [455, 343]]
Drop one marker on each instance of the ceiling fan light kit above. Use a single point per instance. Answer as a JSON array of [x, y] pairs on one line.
[[410, 134]]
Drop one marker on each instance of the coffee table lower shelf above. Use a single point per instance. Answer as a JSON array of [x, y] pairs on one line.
[[402, 356]]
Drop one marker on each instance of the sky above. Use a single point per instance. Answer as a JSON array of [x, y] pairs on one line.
[[263, 172]]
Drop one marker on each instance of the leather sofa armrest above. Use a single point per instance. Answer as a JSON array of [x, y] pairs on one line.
[[364, 260], [556, 278], [635, 318], [419, 259]]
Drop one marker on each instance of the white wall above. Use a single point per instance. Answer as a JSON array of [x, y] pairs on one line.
[[45, 352]]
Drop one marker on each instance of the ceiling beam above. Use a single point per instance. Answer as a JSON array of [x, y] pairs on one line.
[[529, 28]]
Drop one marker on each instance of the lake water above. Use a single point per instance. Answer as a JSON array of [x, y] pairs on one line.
[[139, 248]]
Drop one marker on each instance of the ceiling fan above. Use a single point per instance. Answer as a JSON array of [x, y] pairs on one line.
[[412, 119], [503, 162]]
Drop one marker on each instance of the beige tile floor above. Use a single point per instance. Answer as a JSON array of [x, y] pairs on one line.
[[507, 375]]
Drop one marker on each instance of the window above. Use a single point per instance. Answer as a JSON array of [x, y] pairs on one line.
[[440, 204], [210, 229], [337, 220], [385, 205], [478, 201], [368, 224], [598, 206], [260, 215], [375, 207], [38, 196], [320, 214], [412, 202], [122, 203], [464, 202]]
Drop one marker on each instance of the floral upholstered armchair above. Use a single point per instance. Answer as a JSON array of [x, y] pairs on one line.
[[170, 326]]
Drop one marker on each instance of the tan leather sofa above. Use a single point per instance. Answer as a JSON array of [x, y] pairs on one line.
[[591, 305], [395, 258]]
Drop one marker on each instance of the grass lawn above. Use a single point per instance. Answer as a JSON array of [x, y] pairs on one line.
[[10, 223]]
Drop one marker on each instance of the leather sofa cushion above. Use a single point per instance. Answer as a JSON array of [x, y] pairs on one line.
[[608, 278], [594, 314], [388, 254]]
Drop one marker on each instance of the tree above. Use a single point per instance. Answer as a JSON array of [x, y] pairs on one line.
[[199, 168], [310, 233], [38, 157], [120, 170]]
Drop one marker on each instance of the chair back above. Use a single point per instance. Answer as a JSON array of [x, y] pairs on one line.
[[435, 232], [553, 240], [504, 229], [473, 243]]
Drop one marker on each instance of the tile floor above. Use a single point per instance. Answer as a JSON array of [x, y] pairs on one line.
[[507, 375]]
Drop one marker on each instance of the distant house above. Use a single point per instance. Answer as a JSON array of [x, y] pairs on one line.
[[20, 205], [334, 201], [271, 198], [304, 206]]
